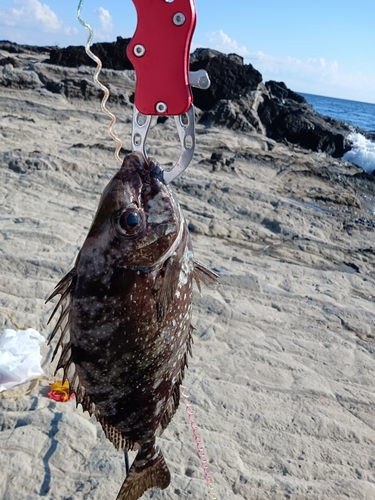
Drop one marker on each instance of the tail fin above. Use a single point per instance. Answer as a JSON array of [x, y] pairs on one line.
[[145, 474]]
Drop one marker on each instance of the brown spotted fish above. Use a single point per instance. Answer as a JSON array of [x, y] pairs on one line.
[[125, 318]]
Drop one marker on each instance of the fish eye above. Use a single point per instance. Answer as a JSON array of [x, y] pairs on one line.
[[129, 221]]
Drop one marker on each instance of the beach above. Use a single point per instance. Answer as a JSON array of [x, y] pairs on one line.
[[283, 370]]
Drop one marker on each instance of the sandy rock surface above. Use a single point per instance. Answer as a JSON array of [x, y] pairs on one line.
[[283, 373]]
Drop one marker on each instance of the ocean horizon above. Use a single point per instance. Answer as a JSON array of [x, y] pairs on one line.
[[357, 113]]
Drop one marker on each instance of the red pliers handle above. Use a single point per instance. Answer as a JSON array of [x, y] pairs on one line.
[[159, 52]]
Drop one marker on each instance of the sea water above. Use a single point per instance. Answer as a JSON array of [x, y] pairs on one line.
[[360, 114]]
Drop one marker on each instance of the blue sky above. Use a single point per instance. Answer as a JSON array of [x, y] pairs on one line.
[[324, 47]]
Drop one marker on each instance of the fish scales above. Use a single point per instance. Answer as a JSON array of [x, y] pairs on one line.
[[125, 317]]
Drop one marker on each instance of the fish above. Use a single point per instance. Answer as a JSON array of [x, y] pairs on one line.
[[125, 317]]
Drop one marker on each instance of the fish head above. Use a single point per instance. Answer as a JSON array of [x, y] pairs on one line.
[[138, 219]]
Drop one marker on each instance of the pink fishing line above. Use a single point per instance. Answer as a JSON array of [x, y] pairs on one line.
[[198, 443]]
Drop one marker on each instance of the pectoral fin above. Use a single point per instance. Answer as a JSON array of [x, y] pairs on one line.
[[165, 286], [202, 274]]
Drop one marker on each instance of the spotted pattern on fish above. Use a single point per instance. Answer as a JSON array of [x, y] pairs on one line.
[[125, 318]]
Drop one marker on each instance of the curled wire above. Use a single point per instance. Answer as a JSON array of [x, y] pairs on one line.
[[98, 83], [198, 443]]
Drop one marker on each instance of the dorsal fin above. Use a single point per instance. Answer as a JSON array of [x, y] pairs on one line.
[[66, 283]]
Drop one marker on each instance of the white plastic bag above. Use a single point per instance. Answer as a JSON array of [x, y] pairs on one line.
[[19, 357]]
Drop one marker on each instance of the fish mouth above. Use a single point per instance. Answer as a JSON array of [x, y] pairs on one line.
[[144, 166]]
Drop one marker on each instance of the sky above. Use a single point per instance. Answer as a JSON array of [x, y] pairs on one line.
[[322, 47]]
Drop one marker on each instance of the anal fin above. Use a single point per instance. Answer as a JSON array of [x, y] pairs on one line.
[[116, 437], [145, 474]]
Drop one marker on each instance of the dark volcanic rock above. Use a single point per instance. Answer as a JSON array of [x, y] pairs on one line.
[[71, 56], [288, 117], [236, 99], [279, 90], [113, 55], [237, 114], [230, 78], [15, 48]]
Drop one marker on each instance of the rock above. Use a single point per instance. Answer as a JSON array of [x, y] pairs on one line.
[[18, 78], [288, 117], [237, 98], [84, 88], [230, 78], [71, 88], [71, 56], [9, 60], [222, 160], [278, 90], [113, 55], [237, 114], [15, 48]]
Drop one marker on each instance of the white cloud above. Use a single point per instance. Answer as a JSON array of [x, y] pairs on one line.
[[34, 13], [312, 66], [31, 11], [221, 41], [265, 62], [105, 19], [104, 31], [313, 75]]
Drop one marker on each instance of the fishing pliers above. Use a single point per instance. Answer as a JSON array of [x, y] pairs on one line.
[[159, 52]]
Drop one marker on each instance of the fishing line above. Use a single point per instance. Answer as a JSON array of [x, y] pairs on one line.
[[13, 320], [98, 83], [198, 443], [4, 394]]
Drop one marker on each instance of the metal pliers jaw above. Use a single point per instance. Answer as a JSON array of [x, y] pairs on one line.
[[186, 130]]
